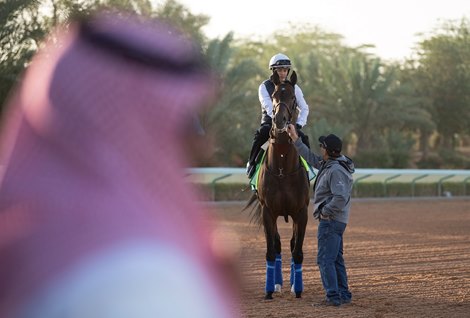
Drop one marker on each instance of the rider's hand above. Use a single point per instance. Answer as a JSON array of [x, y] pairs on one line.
[[292, 132], [298, 126]]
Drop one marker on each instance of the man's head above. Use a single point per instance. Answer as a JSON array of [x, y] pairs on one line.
[[332, 145]]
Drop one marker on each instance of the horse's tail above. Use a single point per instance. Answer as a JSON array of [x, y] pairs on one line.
[[256, 216], [251, 200]]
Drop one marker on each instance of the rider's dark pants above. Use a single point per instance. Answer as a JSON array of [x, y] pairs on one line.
[[262, 135]]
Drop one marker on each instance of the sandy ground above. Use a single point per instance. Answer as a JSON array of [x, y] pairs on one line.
[[404, 259]]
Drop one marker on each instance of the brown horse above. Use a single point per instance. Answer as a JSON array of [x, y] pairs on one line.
[[283, 190]]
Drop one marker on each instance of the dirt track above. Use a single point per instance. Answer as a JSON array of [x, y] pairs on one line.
[[404, 259]]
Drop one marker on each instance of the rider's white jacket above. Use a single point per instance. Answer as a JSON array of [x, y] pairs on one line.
[[267, 104]]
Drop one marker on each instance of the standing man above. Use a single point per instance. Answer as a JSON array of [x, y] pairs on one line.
[[332, 202]]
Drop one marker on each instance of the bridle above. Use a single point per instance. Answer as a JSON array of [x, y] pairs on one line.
[[289, 111]]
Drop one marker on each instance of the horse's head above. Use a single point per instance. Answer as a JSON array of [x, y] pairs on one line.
[[285, 104]]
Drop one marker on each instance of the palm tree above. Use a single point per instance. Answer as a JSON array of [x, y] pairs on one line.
[[231, 118]]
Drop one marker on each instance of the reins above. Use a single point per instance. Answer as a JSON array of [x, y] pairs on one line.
[[287, 106], [275, 131]]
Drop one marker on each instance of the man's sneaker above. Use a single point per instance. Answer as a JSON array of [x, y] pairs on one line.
[[327, 303], [345, 301]]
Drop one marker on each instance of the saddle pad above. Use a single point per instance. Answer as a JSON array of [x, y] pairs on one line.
[[254, 178]]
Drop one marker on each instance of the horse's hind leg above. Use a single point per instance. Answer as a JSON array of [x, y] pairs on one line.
[[278, 269], [270, 232], [297, 242]]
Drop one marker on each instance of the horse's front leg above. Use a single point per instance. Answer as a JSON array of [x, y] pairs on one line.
[[297, 241], [269, 231]]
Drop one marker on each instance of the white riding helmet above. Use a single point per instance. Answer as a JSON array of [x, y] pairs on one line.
[[279, 60]]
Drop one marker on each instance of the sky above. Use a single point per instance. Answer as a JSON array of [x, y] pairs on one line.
[[390, 25]]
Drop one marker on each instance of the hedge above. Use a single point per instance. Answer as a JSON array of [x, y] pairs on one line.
[[241, 191]]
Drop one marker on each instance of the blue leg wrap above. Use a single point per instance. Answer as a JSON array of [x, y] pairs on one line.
[[292, 272], [298, 282], [270, 267], [278, 271]]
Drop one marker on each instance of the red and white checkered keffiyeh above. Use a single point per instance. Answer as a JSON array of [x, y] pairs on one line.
[[92, 154]]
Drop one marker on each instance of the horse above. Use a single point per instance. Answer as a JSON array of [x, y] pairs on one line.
[[283, 190]]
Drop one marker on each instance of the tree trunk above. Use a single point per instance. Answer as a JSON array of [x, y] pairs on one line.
[[424, 144]]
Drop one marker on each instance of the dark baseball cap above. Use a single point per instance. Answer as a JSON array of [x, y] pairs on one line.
[[332, 143]]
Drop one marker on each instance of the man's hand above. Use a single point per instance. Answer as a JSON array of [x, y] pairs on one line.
[[292, 132], [324, 217]]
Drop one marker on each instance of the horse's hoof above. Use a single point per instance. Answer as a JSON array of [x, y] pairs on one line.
[[298, 295], [277, 288], [268, 296]]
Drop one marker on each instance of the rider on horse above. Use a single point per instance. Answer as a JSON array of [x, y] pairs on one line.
[[280, 64]]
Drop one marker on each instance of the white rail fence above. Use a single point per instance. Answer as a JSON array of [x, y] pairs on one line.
[[212, 176]]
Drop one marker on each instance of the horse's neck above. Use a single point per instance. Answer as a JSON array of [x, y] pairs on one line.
[[282, 156]]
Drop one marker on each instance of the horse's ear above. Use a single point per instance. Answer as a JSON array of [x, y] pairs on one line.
[[275, 78], [293, 78]]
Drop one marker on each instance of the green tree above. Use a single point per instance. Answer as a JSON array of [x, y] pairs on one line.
[[25, 23], [231, 120], [181, 17], [413, 93], [444, 62], [20, 33]]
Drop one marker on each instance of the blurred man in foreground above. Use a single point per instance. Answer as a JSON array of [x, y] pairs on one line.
[[95, 217]]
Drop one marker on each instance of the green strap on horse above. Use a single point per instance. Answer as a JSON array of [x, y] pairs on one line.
[[254, 178]]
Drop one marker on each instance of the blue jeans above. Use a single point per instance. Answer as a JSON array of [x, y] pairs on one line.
[[330, 261]]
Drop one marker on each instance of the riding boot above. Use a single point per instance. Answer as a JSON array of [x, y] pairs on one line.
[[251, 167], [261, 136], [251, 164], [250, 170]]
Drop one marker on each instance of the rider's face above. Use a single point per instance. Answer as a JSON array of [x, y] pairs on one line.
[[282, 72]]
